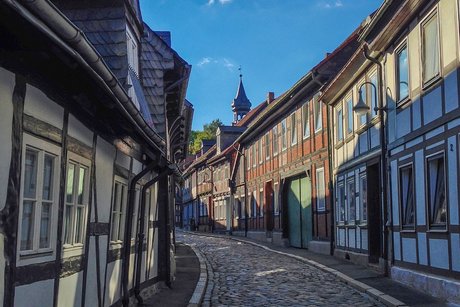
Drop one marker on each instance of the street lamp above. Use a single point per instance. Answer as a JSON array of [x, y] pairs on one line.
[[361, 107]]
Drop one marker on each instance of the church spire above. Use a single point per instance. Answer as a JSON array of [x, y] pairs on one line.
[[241, 104]]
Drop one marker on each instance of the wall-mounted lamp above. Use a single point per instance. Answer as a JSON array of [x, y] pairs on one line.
[[361, 107]]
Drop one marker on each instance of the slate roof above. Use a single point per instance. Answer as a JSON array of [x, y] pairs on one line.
[[105, 28], [156, 58], [241, 101]]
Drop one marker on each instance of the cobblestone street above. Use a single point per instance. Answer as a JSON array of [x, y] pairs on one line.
[[247, 275]]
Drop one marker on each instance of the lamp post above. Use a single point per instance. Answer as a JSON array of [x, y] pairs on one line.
[[361, 108]]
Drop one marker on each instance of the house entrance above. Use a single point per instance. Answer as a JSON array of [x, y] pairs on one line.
[[299, 215]]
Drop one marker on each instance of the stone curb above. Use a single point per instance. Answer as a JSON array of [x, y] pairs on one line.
[[201, 285], [362, 287]]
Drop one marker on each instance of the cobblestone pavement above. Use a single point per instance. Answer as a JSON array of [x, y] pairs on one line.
[[247, 275]]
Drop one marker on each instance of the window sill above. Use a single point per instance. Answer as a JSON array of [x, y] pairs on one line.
[[339, 144], [432, 82], [434, 229], [407, 230], [402, 104], [306, 136], [35, 253], [349, 137]]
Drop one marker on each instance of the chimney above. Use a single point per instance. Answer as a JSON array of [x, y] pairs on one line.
[[270, 97]]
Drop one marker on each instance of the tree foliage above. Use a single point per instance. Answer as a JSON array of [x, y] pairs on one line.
[[208, 133]]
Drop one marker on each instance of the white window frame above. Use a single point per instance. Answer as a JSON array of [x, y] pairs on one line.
[[306, 120], [261, 203], [433, 226], [293, 120], [339, 110], [402, 212], [351, 219], [267, 146], [119, 212], [261, 151], [132, 52], [81, 162], [318, 114], [276, 205], [432, 14], [362, 199], [341, 202], [403, 45], [45, 254], [283, 134], [275, 140], [348, 131], [320, 205]]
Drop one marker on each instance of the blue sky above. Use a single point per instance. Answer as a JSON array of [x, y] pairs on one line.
[[276, 42]]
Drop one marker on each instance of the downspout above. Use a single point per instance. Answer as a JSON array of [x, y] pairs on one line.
[[141, 235], [383, 163], [329, 185], [128, 225]]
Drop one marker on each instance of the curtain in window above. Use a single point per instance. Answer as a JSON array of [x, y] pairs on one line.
[[407, 196], [430, 49], [437, 191]]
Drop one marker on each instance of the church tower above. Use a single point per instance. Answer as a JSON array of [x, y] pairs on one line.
[[241, 104]]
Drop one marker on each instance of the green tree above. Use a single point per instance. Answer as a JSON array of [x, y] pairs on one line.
[[208, 133]]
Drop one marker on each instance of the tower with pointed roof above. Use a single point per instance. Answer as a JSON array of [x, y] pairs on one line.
[[240, 104]]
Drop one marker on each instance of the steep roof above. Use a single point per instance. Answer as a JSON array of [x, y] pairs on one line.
[[241, 101]]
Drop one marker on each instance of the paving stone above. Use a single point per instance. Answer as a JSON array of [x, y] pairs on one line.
[[246, 275]]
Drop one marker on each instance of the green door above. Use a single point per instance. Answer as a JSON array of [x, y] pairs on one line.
[[299, 212], [305, 214]]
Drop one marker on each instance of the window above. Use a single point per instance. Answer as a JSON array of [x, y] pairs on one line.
[[363, 117], [293, 129], [437, 207], [120, 197], [318, 114], [76, 201], [276, 200], [430, 48], [254, 157], [351, 200], [254, 205], [267, 146], [363, 197], [261, 153], [339, 125], [402, 74], [283, 134], [349, 106], [320, 190], [340, 202], [40, 192], [306, 120], [275, 140], [242, 207], [261, 203], [374, 102], [406, 196]]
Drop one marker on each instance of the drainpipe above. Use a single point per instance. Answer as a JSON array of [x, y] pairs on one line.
[[330, 183], [383, 162], [128, 225], [141, 235], [329, 154]]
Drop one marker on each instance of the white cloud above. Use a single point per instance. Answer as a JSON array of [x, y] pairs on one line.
[[227, 64], [330, 4], [222, 2], [204, 61], [223, 62]]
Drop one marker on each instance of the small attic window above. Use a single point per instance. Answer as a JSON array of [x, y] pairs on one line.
[[132, 53]]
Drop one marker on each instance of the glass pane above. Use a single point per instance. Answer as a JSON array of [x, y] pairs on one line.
[[81, 185], [114, 230], [437, 197], [341, 200], [30, 174], [374, 95], [27, 225], [293, 129], [306, 121], [403, 74], [363, 117], [68, 224], [407, 196], [351, 200], [363, 198], [349, 115], [48, 169], [318, 119], [70, 183], [430, 49], [339, 125], [45, 224], [79, 225]]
